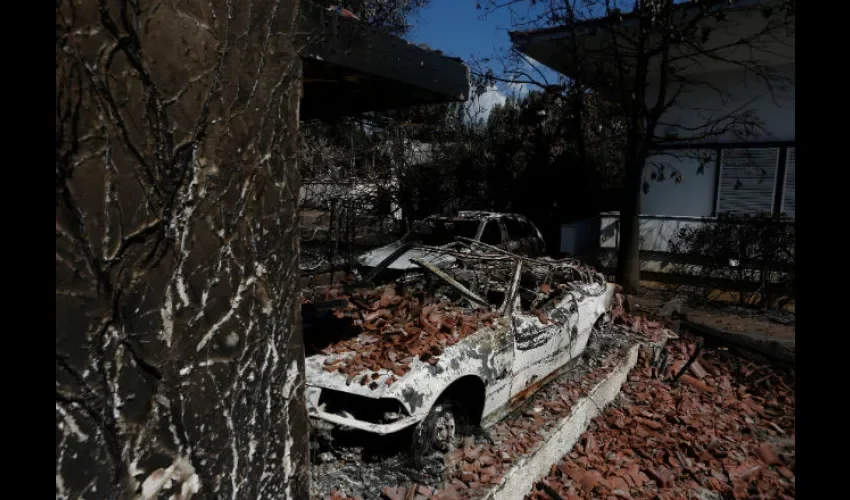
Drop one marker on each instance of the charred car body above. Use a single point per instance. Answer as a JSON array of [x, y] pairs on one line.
[[443, 347], [511, 232]]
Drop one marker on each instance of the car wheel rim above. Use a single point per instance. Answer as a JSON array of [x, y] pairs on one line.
[[444, 433]]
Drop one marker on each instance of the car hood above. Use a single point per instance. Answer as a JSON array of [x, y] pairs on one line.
[[403, 263], [424, 382]]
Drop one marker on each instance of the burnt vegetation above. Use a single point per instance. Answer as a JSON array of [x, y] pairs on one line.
[[752, 255]]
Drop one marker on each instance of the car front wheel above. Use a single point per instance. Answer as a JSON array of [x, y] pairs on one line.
[[440, 432]]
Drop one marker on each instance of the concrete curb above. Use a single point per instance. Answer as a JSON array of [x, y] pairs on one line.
[[519, 479]]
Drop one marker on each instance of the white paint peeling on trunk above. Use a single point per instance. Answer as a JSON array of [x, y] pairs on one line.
[[114, 384], [182, 225], [291, 379], [234, 304], [289, 386], [234, 474], [181, 472], [167, 312], [109, 198], [71, 425], [61, 491], [61, 494]]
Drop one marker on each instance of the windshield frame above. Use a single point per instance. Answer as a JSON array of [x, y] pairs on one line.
[[408, 237], [512, 284]]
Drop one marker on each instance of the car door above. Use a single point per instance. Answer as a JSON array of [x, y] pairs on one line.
[[492, 234], [541, 346], [518, 240], [534, 237]]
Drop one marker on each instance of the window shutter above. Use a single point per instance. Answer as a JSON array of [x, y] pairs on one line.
[[747, 180], [789, 190]]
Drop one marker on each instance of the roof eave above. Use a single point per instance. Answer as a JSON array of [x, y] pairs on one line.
[[351, 68]]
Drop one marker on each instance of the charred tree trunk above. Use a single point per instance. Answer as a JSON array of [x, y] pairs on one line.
[[179, 359], [628, 252]]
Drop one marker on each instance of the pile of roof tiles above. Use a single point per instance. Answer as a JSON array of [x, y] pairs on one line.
[[639, 325], [397, 328], [478, 467], [725, 430]]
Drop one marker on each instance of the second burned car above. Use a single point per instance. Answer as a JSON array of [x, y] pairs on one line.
[[444, 347], [511, 232]]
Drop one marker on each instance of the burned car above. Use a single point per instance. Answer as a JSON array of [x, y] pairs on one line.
[[511, 232], [447, 347]]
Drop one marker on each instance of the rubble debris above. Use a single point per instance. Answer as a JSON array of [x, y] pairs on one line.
[[388, 326], [698, 371], [685, 366], [719, 436], [396, 328], [735, 439], [638, 325], [673, 307], [473, 470], [696, 383]]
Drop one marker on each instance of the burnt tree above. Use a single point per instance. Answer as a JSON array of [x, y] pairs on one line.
[[179, 359]]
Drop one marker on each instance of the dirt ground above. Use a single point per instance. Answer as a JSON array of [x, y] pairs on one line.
[[736, 323], [719, 315]]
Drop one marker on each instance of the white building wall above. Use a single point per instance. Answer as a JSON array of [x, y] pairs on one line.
[[695, 195], [692, 196], [700, 103], [669, 205], [655, 233]]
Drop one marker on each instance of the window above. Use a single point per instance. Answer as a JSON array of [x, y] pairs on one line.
[[747, 182], [492, 234], [789, 188], [694, 196], [516, 229], [530, 230], [438, 232]]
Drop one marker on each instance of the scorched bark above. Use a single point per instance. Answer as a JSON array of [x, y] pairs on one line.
[[178, 356]]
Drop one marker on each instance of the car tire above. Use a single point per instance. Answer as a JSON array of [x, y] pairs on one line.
[[603, 320], [440, 432]]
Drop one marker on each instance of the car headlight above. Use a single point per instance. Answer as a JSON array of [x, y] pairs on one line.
[[392, 416], [376, 411]]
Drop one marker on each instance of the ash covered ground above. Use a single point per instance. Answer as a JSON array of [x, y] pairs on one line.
[[358, 464]]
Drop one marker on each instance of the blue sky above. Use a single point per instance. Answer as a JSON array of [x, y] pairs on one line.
[[458, 29]]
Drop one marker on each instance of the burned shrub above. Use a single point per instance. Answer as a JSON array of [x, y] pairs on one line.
[[752, 253]]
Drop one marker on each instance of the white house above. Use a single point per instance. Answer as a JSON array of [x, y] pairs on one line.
[[721, 171]]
